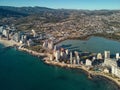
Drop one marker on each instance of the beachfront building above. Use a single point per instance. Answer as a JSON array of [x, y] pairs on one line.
[[99, 56], [78, 60], [106, 54], [66, 51], [112, 63], [57, 55], [23, 39], [76, 53], [117, 56], [88, 62], [74, 61], [115, 71], [71, 58], [51, 57], [77, 57], [63, 55], [17, 37]]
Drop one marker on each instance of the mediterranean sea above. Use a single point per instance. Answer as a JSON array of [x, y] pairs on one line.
[[21, 71]]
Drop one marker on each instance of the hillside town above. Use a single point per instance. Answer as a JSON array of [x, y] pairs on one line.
[[63, 23], [94, 62]]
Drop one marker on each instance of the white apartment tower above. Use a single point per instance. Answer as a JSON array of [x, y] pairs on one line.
[[78, 59], [57, 55], [66, 51], [107, 54], [117, 56], [50, 45], [71, 58]]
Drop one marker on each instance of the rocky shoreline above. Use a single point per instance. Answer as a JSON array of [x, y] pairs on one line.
[[90, 74]]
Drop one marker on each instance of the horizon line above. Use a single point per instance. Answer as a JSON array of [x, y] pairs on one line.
[[59, 8]]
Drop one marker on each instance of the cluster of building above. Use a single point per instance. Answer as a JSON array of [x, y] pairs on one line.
[[59, 54], [6, 31], [48, 44], [112, 64], [24, 38], [106, 64]]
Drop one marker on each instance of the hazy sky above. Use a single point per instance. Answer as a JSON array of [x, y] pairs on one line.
[[68, 4]]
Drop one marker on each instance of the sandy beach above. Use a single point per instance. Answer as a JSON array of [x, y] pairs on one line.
[[8, 43]]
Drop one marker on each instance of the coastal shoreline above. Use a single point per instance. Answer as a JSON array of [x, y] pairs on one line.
[[47, 61], [90, 74], [8, 43]]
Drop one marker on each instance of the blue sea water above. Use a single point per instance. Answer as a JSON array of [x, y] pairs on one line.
[[21, 71]]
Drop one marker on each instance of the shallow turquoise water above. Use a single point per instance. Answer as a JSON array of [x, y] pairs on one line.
[[21, 71]]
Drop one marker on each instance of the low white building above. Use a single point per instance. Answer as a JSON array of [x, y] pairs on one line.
[[88, 62], [106, 70], [99, 56]]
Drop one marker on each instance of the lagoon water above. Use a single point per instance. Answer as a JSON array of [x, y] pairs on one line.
[[21, 71], [93, 44]]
